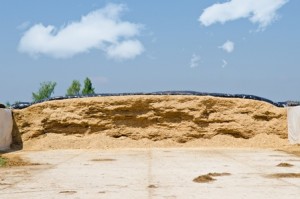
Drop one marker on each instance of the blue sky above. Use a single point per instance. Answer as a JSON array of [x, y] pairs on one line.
[[236, 46]]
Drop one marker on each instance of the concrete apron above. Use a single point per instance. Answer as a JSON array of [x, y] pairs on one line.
[[150, 173]]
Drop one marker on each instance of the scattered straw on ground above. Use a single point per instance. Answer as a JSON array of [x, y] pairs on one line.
[[284, 164], [204, 179], [284, 175], [13, 161], [100, 141], [291, 149], [68, 192], [209, 177], [103, 160], [152, 186], [218, 174]]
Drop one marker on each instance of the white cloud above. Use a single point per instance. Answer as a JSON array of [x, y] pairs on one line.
[[128, 49], [225, 63], [195, 61], [228, 46], [261, 12], [101, 29]]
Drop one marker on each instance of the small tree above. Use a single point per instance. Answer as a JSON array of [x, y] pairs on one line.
[[45, 91], [7, 104], [74, 89], [88, 87]]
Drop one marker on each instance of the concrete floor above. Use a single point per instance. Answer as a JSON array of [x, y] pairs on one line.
[[150, 173]]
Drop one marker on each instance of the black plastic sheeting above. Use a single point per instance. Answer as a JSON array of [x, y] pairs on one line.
[[21, 105]]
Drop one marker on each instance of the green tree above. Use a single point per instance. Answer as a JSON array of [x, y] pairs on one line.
[[88, 87], [7, 104], [45, 91], [74, 89]]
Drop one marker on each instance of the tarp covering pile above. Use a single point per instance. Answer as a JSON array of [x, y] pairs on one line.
[[6, 125], [21, 105], [293, 114]]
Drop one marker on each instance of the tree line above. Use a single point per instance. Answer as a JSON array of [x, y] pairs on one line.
[[47, 89]]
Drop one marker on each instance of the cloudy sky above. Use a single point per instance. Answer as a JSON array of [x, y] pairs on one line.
[[233, 46]]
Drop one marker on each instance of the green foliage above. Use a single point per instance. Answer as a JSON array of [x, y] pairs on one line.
[[74, 89], [88, 87], [7, 104], [45, 91], [2, 161]]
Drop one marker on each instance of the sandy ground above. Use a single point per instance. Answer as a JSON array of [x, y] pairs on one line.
[[153, 173]]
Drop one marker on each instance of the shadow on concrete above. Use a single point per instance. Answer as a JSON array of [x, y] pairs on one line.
[[17, 142]]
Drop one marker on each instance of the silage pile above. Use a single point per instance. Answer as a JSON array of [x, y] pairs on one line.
[[142, 121]]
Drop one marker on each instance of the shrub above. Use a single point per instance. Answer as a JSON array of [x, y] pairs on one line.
[[74, 89], [45, 91], [88, 87]]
